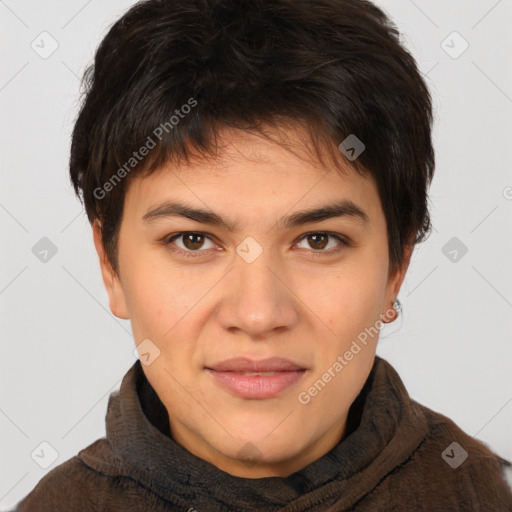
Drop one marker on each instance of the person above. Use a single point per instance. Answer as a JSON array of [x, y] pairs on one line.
[[256, 176]]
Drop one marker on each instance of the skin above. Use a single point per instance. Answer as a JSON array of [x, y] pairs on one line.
[[287, 303]]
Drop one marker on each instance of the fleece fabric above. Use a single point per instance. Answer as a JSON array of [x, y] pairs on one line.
[[397, 455]]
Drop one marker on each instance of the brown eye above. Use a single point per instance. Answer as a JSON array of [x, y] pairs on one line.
[[317, 240], [189, 241], [193, 241], [323, 242]]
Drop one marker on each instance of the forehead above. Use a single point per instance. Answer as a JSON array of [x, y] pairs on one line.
[[253, 174]]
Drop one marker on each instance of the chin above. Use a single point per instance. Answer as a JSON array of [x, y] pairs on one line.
[[257, 450]]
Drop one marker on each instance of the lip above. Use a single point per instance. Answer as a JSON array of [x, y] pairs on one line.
[[245, 364], [229, 375]]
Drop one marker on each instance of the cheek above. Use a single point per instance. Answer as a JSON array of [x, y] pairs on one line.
[[351, 296], [158, 296], [344, 355], [349, 305]]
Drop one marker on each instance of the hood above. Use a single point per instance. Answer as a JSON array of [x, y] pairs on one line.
[[384, 427]]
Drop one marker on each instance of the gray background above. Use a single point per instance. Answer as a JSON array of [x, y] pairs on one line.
[[62, 352]]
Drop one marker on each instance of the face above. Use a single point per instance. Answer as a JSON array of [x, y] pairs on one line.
[[251, 308]]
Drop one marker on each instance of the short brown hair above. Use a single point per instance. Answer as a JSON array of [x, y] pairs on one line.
[[192, 67]]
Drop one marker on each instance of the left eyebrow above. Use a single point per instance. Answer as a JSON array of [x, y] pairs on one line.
[[343, 208]]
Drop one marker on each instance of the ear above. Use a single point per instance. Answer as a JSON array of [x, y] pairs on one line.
[[396, 278], [117, 302]]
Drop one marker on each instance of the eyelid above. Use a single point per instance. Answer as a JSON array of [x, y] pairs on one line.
[[337, 236], [169, 239], [340, 238]]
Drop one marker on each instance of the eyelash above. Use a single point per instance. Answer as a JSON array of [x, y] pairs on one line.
[[197, 254]]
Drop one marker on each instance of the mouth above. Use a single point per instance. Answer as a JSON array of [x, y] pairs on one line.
[[247, 378], [261, 374]]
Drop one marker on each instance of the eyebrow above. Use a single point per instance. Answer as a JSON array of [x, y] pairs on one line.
[[342, 208]]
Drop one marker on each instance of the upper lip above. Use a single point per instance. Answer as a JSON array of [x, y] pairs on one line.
[[245, 364]]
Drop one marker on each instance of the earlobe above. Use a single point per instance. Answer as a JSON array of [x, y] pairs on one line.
[[395, 283], [111, 281]]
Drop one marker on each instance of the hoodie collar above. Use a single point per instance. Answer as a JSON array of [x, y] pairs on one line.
[[384, 427]]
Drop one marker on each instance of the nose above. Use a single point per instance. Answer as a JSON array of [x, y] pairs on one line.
[[256, 299]]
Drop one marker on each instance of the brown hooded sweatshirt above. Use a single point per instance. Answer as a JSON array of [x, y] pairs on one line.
[[397, 455]]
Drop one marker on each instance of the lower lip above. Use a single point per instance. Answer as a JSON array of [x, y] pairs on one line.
[[256, 386]]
